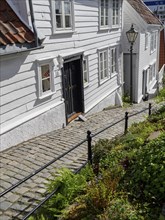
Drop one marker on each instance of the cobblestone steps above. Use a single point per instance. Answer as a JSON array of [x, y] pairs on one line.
[[23, 159]]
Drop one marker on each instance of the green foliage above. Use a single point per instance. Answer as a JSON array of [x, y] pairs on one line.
[[126, 98], [130, 181], [161, 96], [145, 178], [102, 201], [68, 187]]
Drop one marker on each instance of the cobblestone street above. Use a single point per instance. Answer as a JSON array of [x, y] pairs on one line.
[[23, 159]]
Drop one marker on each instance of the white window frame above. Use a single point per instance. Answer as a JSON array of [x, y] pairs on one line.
[[111, 10], [115, 13], [146, 41], [153, 42], [86, 72], [105, 68], [152, 72], [40, 63], [104, 26], [64, 29], [113, 60]]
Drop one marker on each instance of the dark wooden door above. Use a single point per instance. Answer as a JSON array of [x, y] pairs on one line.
[[72, 87]]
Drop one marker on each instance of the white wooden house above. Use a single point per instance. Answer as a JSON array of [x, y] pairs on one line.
[[145, 49], [75, 68]]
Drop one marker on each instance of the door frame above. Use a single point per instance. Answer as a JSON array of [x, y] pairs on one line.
[[66, 60]]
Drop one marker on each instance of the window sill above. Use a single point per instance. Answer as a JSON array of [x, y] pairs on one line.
[[103, 81], [114, 27], [104, 28], [63, 32], [86, 85], [152, 51], [114, 74], [46, 95]]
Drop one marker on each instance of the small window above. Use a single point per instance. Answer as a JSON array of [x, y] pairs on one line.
[[109, 13], [103, 65], [85, 72], [152, 72], [62, 15], [153, 42], [104, 13], [146, 41], [46, 78], [115, 13], [113, 60]]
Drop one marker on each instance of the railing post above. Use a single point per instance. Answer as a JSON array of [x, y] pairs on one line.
[[126, 123], [149, 109], [89, 139]]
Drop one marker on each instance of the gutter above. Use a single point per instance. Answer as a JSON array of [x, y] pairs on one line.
[[33, 23]]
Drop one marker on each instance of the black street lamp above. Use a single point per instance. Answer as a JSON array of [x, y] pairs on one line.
[[131, 36]]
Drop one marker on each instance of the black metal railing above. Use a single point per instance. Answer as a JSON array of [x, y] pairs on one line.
[[89, 158]]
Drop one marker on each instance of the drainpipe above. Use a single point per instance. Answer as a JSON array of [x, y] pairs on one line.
[[33, 23]]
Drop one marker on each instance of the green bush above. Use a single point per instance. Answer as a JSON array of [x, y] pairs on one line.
[[145, 178], [130, 180], [161, 96], [68, 187]]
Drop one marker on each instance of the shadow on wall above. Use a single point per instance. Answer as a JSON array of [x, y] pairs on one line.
[[11, 65]]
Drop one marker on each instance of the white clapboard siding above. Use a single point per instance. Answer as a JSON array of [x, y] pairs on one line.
[[20, 81]]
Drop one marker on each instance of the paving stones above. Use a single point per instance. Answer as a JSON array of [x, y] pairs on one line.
[[23, 159]]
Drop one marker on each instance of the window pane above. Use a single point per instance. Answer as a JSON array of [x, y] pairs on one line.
[[101, 75], [46, 85], [58, 7], [101, 66], [67, 7], [106, 21], [84, 65], [85, 71], [59, 21], [67, 21], [105, 55], [45, 73], [101, 56]]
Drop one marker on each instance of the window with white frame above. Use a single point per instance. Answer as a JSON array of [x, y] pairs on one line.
[[113, 60], [152, 72], [146, 41], [85, 72], [153, 41], [115, 12], [46, 78], [103, 64], [109, 13], [104, 13], [62, 15]]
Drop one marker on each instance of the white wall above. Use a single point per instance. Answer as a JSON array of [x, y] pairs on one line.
[[19, 85], [144, 57]]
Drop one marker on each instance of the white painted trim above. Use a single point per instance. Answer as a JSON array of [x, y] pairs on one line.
[[45, 61], [71, 53], [55, 30], [99, 100], [145, 68], [29, 117]]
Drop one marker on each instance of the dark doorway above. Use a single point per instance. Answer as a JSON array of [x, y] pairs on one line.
[[73, 87]]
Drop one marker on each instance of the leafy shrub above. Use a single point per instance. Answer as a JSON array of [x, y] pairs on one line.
[[161, 96], [68, 187], [130, 182], [145, 178]]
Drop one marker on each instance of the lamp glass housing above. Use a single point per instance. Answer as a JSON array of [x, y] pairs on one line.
[[132, 35]]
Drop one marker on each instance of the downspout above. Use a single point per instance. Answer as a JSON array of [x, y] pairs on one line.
[[33, 23]]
